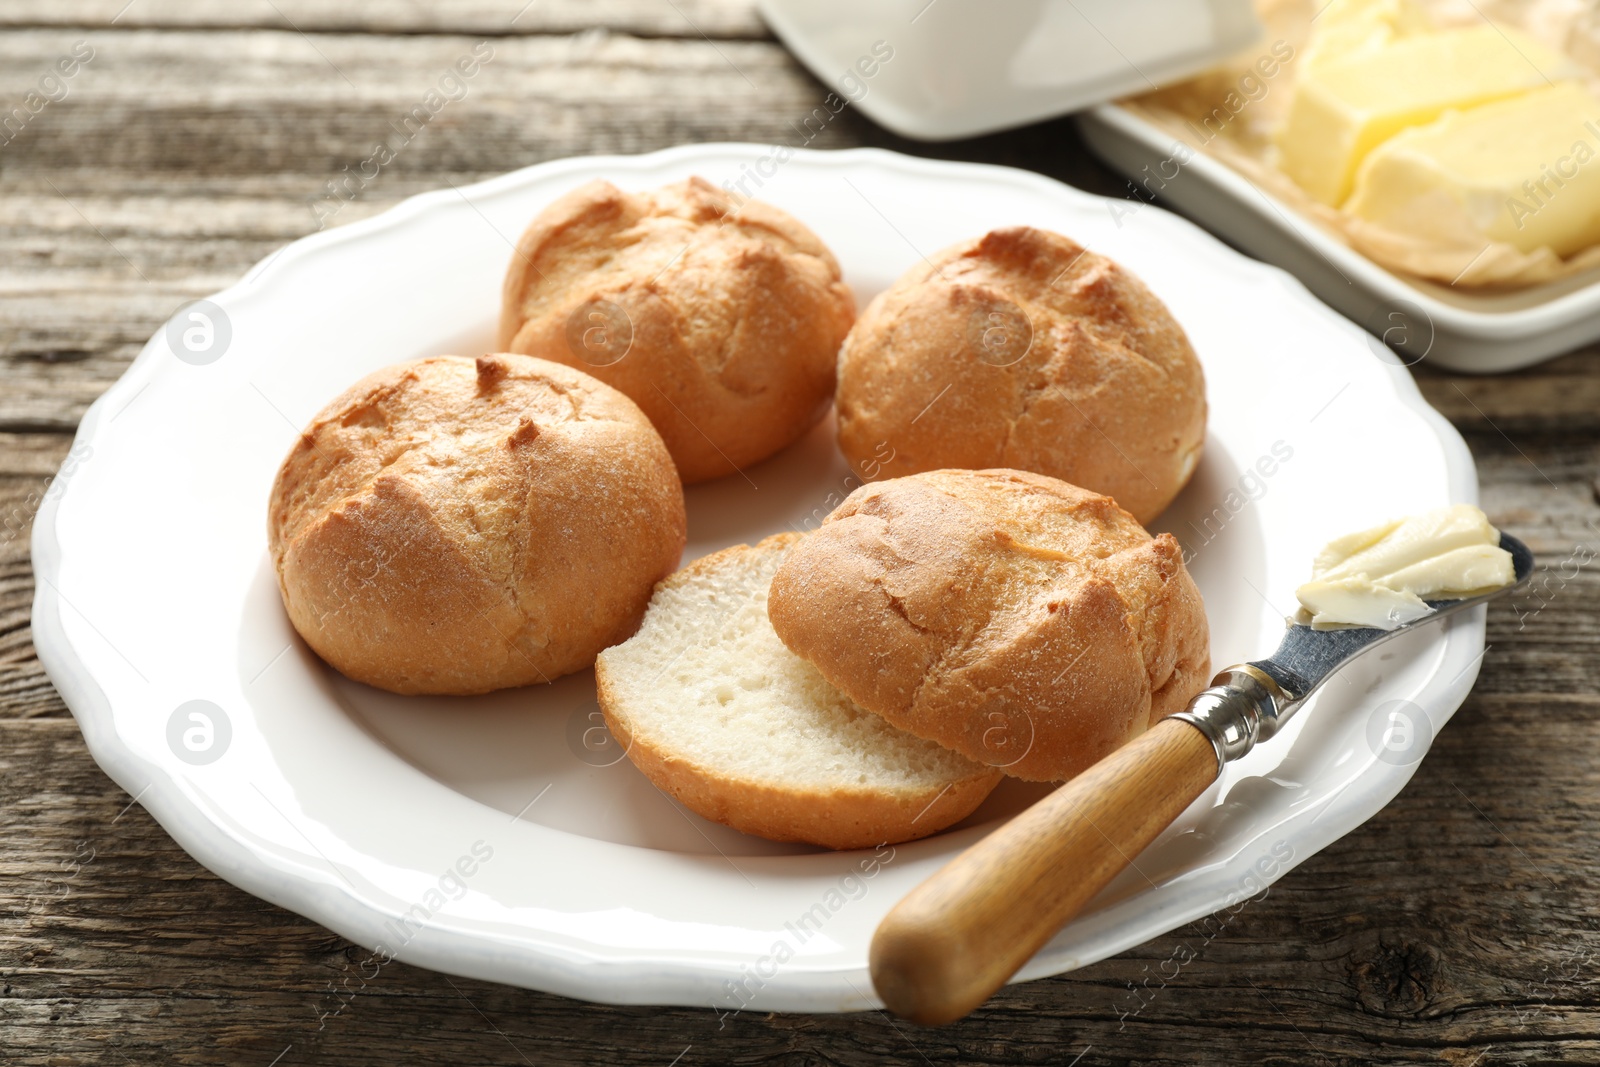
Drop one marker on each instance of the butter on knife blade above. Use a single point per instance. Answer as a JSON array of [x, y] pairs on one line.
[[1383, 577]]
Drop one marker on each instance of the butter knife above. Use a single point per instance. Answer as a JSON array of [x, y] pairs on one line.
[[955, 939]]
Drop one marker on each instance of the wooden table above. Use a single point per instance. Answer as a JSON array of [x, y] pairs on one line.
[[1461, 925]]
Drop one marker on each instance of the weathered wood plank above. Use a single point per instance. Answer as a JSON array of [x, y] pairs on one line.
[[1458, 926], [1542, 640], [1323, 969], [651, 18], [1562, 395], [28, 463], [154, 186], [91, 199], [268, 101]]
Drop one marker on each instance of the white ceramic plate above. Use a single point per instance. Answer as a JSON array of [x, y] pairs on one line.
[[1465, 330], [353, 807]]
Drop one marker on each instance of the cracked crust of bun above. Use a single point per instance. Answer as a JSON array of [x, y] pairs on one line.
[[732, 314], [1021, 621], [716, 712], [456, 526], [1023, 349]]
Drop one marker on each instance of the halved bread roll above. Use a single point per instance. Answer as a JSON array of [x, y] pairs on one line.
[[1019, 620], [715, 711]]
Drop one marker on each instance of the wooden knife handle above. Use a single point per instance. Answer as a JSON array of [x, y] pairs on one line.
[[945, 949]]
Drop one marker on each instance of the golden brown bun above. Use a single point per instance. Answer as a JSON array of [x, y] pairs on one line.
[[1019, 620], [714, 710], [722, 322], [456, 526], [1022, 349]]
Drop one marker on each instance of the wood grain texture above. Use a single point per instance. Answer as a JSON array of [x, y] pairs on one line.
[[955, 939], [179, 160], [645, 18], [1458, 926]]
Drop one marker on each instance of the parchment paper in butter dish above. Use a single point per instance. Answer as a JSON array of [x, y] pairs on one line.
[[1233, 112]]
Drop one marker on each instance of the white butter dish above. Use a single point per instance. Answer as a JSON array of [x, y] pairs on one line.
[[936, 70], [1478, 332]]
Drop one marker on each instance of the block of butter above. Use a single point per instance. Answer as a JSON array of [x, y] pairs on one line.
[[1348, 27], [1383, 577], [1343, 108], [1521, 171]]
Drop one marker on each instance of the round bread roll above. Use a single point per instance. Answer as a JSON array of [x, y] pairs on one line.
[[715, 711], [722, 321], [457, 526], [1021, 621], [1023, 349]]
